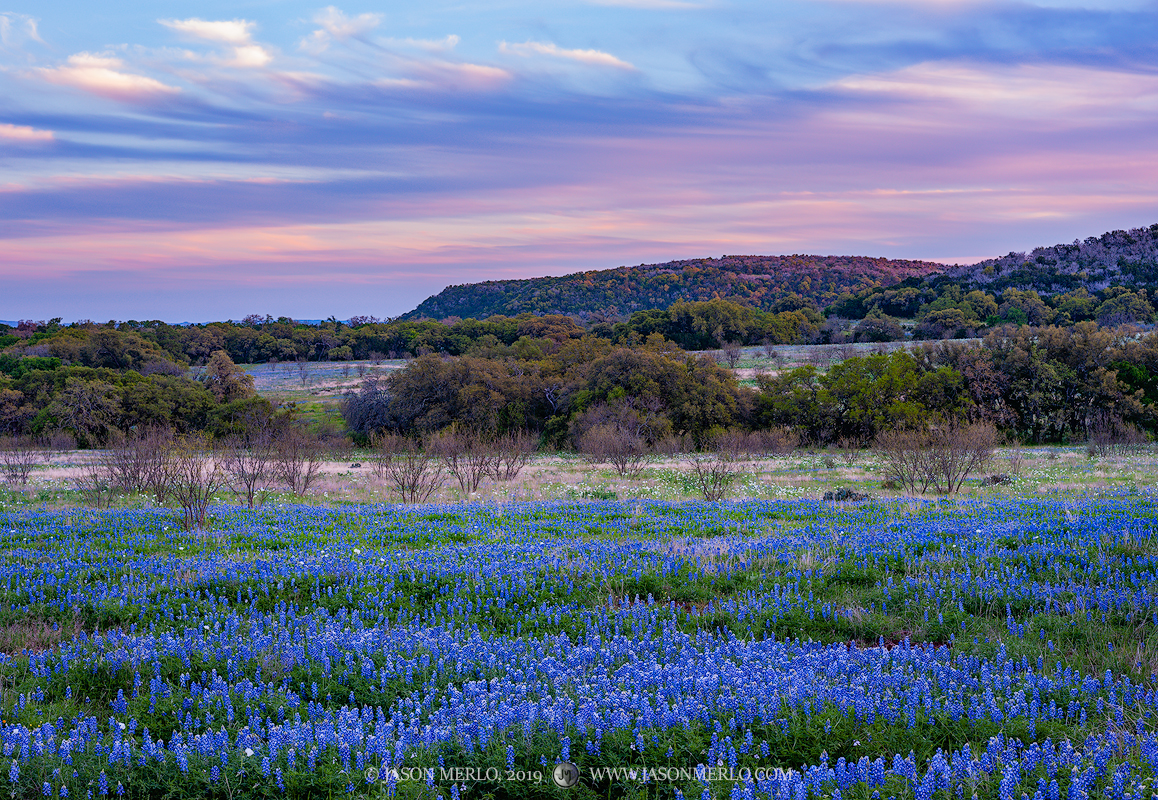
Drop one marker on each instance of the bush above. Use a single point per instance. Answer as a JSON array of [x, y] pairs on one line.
[[511, 454], [607, 443], [18, 456], [844, 494], [465, 455], [413, 474], [195, 479], [940, 458], [367, 410], [297, 459]]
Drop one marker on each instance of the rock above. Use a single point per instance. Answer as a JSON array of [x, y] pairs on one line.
[[845, 494]]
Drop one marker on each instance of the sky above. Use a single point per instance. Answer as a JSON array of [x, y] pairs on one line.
[[200, 161]]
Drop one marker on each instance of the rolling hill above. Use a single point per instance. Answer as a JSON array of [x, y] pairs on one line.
[[758, 281]]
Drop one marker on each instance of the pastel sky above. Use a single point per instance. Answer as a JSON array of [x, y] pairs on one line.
[[208, 160]]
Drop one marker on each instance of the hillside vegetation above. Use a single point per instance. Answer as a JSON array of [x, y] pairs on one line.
[[759, 281]]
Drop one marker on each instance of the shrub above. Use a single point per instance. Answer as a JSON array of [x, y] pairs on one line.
[[608, 443], [465, 455], [196, 478], [297, 459], [18, 456], [511, 454], [941, 458], [713, 474], [412, 473]]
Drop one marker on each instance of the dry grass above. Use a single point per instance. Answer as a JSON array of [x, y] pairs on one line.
[[35, 635]]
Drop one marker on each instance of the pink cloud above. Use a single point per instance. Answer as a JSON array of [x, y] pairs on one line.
[[24, 133], [590, 57], [102, 75]]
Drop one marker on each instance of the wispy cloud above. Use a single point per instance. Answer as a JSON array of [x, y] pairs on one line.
[[17, 28], [335, 25], [659, 5], [592, 57]]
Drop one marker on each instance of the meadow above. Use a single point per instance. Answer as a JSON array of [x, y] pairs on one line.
[[996, 645]]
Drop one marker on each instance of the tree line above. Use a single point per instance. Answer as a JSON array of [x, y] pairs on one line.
[[1050, 384]]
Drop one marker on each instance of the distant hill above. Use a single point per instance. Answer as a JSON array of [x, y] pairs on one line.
[[1125, 258], [753, 280]]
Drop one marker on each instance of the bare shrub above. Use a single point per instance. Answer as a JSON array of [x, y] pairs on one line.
[[511, 454], [673, 445], [383, 446], [297, 459], [196, 478], [957, 451], [141, 461], [411, 472], [465, 454], [94, 481], [303, 370], [904, 454], [248, 463], [1111, 435], [714, 474], [19, 455], [59, 441], [732, 353], [770, 350], [941, 459], [1015, 456], [607, 443], [850, 450], [779, 441]]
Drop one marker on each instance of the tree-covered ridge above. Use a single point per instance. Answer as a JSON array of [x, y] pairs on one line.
[[758, 281], [1118, 258]]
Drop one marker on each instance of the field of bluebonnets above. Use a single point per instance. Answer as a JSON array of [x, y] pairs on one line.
[[991, 648]]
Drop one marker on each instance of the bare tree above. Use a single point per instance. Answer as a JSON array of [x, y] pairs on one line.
[[297, 459], [18, 456], [607, 443], [511, 454], [957, 451], [465, 455], [714, 473], [196, 479], [412, 473], [95, 482], [361, 369], [732, 353], [248, 462], [905, 455], [941, 458], [303, 370]]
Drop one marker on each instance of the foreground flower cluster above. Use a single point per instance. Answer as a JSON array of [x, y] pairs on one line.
[[756, 649]]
